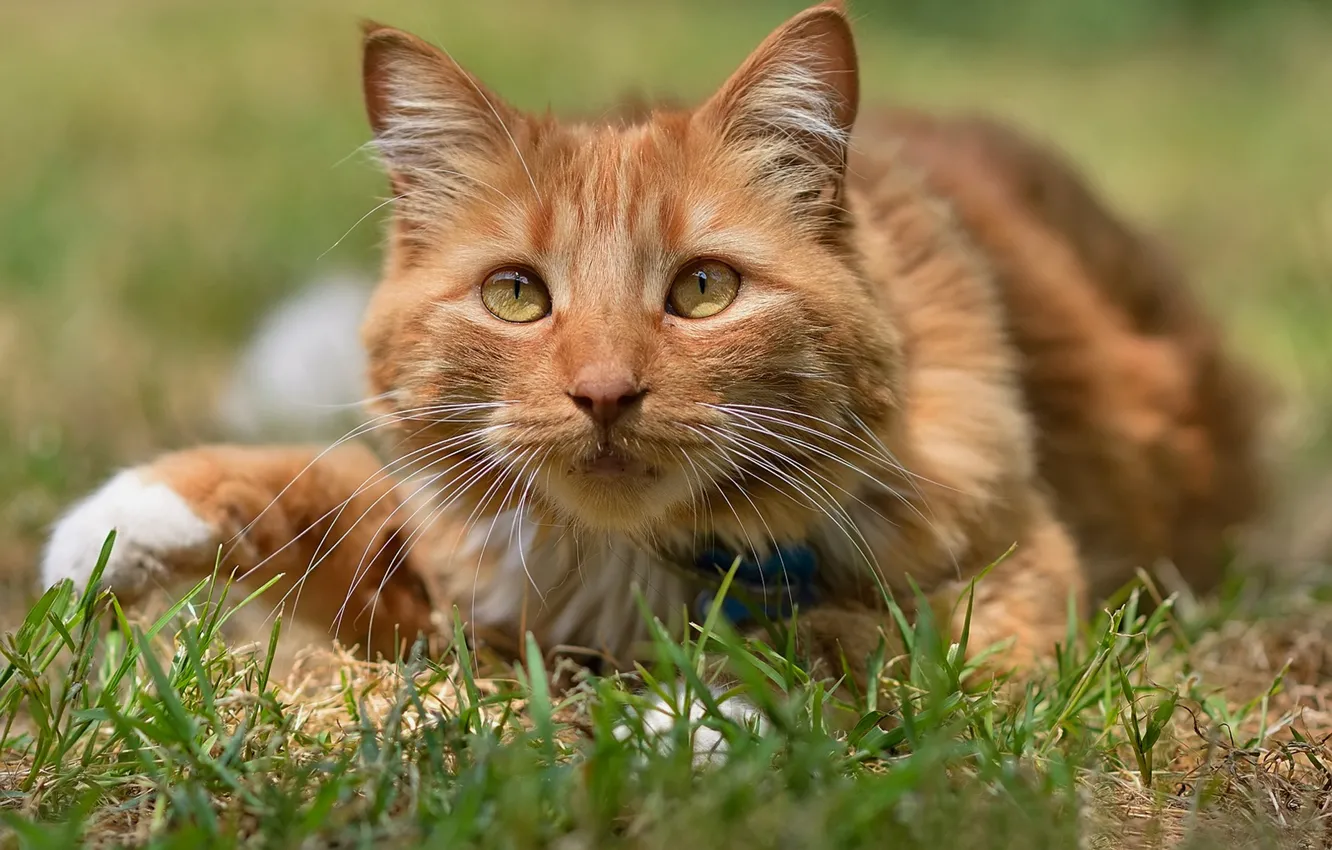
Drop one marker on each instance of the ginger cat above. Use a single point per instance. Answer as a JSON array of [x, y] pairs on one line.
[[622, 353]]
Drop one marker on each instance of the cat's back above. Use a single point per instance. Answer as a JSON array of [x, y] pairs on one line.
[[1145, 430]]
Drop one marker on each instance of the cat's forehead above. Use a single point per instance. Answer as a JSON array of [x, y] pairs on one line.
[[623, 187], [595, 207]]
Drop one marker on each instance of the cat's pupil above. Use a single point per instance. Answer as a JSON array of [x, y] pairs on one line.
[[517, 287], [702, 282]]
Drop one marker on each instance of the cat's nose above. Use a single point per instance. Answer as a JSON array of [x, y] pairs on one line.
[[605, 394]]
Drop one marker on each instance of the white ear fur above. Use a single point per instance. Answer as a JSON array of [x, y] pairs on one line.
[[791, 107], [434, 123]]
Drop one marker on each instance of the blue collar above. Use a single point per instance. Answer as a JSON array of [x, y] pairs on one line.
[[770, 588]]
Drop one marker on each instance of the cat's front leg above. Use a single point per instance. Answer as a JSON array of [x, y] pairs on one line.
[[330, 526], [1021, 604]]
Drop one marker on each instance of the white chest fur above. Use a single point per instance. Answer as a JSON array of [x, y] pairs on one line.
[[569, 589]]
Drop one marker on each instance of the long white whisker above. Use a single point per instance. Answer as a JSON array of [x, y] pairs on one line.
[[518, 518], [745, 423], [477, 467], [831, 509], [877, 450], [378, 476], [401, 556], [376, 208], [481, 94], [798, 466], [762, 520], [753, 418], [452, 447], [381, 421], [740, 523]]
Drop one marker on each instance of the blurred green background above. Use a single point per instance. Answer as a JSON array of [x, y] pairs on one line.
[[171, 168]]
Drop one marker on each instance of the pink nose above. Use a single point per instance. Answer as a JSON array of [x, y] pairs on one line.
[[605, 393]]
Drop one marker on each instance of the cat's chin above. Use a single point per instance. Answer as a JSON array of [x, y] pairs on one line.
[[617, 495], [614, 468]]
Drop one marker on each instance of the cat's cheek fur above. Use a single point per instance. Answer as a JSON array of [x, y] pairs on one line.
[[154, 527], [709, 746]]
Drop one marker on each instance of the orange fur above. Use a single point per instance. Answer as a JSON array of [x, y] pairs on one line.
[[943, 345]]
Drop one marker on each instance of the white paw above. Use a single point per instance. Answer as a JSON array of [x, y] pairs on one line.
[[152, 523], [709, 745]]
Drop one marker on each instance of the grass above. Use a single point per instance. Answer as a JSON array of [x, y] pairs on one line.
[[180, 167], [169, 735]]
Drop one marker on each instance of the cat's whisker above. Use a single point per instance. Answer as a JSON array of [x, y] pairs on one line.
[[453, 410], [355, 432], [350, 405], [381, 421], [694, 494], [478, 472], [318, 559], [824, 501], [797, 465], [402, 139], [452, 447], [526, 457], [755, 412], [432, 421], [518, 518], [481, 93], [486, 465], [376, 208], [740, 523], [781, 559], [400, 558], [804, 446], [478, 464], [747, 423], [385, 472], [366, 147], [796, 443], [762, 520], [888, 453], [738, 421], [912, 479], [831, 509], [874, 448], [380, 475], [479, 467]]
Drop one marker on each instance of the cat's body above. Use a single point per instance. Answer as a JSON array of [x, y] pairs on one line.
[[925, 352]]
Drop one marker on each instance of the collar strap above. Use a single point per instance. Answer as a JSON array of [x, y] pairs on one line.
[[770, 588]]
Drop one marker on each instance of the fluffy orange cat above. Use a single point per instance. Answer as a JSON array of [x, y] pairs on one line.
[[624, 353]]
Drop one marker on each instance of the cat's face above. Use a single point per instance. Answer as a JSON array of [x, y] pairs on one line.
[[633, 327]]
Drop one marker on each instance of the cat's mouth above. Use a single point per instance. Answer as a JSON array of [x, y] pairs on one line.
[[610, 463], [613, 488]]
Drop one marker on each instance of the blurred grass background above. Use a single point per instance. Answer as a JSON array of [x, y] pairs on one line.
[[171, 168]]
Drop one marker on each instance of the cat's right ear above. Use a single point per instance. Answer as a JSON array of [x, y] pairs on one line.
[[434, 123]]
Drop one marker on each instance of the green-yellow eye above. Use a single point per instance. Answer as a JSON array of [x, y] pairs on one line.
[[703, 288], [516, 295]]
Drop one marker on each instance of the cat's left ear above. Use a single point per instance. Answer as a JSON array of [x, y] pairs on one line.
[[790, 107]]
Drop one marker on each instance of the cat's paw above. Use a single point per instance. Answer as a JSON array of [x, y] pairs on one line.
[[709, 745], [154, 527]]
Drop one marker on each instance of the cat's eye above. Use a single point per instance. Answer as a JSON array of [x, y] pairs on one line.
[[703, 288], [516, 295]]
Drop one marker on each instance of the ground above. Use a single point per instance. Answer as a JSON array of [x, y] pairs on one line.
[[173, 169]]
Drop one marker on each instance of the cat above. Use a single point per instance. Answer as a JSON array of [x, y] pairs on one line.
[[616, 356]]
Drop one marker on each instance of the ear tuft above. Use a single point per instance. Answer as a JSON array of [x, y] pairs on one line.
[[792, 104], [434, 123]]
